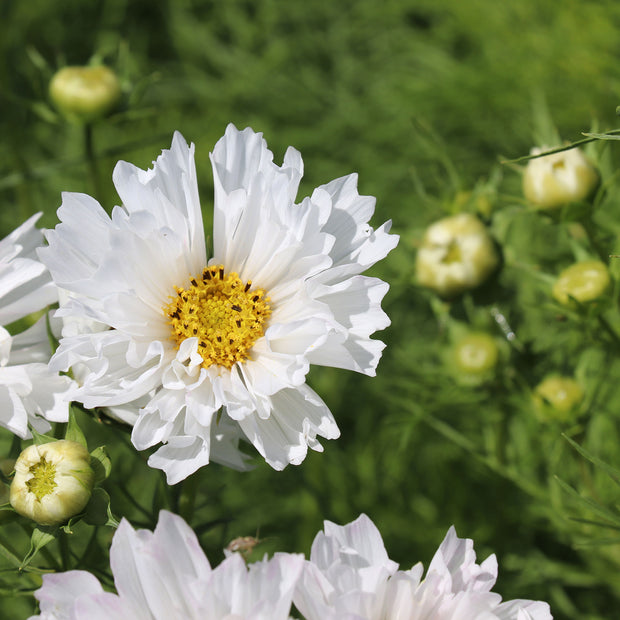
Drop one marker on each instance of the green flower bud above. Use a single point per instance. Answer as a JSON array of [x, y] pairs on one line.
[[474, 357], [555, 180], [557, 398], [584, 281], [52, 482], [457, 254], [85, 94]]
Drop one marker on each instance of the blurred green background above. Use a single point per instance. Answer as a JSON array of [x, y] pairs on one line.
[[422, 99]]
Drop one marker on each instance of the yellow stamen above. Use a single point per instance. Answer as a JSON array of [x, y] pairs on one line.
[[43, 479], [221, 311]]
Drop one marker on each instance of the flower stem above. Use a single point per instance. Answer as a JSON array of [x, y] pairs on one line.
[[91, 160]]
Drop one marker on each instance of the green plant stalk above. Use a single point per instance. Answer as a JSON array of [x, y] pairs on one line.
[[91, 161]]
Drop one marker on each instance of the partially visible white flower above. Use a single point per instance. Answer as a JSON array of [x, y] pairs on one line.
[[557, 179], [350, 577], [164, 575], [230, 338], [30, 393], [457, 254]]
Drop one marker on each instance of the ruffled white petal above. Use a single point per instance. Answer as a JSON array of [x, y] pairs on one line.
[[297, 417]]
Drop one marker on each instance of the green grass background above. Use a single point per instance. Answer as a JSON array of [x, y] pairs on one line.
[[421, 99]]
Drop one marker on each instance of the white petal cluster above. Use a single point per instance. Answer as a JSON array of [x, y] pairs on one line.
[[350, 577], [30, 393], [164, 574], [122, 271]]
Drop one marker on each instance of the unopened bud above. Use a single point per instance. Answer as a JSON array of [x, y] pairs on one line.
[[584, 282], [457, 254], [476, 353], [557, 398], [85, 94], [52, 482], [557, 179]]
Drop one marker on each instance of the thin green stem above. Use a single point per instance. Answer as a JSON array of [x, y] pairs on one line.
[[187, 498], [604, 323], [596, 246], [65, 554], [91, 160]]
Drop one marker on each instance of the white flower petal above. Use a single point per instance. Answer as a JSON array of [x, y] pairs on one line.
[[59, 591], [297, 417]]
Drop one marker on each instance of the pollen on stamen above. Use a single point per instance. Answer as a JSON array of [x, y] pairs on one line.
[[221, 311]]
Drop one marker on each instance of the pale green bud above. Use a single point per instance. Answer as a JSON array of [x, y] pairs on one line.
[[555, 180], [85, 94], [557, 398], [473, 358], [584, 281], [52, 482], [457, 254]]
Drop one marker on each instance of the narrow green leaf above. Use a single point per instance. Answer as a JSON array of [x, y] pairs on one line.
[[40, 439], [9, 556], [597, 542], [101, 464], [41, 536], [613, 473], [596, 508], [98, 510], [601, 136], [596, 523], [74, 432]]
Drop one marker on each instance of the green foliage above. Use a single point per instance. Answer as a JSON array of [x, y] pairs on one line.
[[422, 99]]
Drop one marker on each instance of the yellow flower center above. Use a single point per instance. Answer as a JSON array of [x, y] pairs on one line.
[[221, 311], [43, 479], [453, 254]]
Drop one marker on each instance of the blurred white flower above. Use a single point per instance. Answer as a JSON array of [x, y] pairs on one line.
[[457, 254], [30, 393], [235, 334], [557, 179], [350, 577], [164, 575], [52, 482]]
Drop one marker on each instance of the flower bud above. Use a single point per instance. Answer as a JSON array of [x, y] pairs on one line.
[[555, 180], [52, 482], [584, 281], [476, 353], [557, 398], [457, 254], [85, 94]]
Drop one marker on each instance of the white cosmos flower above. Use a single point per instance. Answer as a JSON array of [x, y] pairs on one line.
[[30, 393], [350, 577], [232, 336], [163, 575]]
